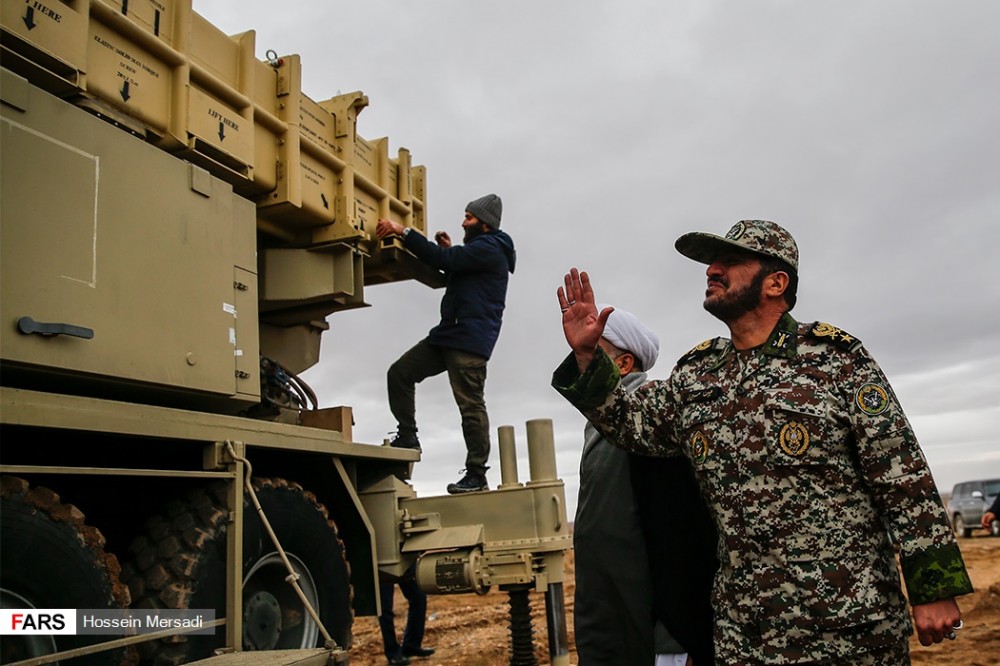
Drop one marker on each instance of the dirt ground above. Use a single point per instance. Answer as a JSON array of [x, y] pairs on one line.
[[467, 630]]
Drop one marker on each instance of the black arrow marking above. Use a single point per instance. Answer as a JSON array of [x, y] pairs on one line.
[[124, 7], [325, 203], [29, 17], [222, 131], [125, 94]]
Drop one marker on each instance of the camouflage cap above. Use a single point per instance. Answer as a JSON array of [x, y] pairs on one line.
[[759, 236]]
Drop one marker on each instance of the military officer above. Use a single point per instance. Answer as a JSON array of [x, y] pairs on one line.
[[807, 462]]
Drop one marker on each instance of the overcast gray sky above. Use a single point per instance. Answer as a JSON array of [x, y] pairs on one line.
[[868, 129]]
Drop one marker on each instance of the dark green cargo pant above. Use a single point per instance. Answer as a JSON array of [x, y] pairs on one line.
[[467, 374]]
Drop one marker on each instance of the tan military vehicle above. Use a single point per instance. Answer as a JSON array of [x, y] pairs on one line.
[[178, 221]]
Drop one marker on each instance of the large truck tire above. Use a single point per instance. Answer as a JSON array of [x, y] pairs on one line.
[[50, 558], [180, 562]]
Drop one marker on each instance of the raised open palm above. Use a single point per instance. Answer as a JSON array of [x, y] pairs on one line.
[[583, 325]]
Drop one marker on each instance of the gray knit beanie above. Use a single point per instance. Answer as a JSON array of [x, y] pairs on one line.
[[487, 209]]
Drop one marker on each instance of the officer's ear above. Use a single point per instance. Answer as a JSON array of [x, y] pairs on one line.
[[775, 284]]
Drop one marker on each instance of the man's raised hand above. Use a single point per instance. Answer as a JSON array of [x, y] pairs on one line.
[[583, 325]]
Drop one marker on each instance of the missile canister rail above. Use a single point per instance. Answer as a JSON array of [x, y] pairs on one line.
[[178, 220]]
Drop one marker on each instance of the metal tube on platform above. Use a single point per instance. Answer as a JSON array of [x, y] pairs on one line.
[[541, 451], [508, 457]]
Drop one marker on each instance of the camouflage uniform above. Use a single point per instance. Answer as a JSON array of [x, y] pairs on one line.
[[812, 473]]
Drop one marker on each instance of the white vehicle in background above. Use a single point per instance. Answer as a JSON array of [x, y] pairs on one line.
[[969, 501]]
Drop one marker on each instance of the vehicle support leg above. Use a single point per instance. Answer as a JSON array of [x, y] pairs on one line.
[[555, 619], [522, 648]]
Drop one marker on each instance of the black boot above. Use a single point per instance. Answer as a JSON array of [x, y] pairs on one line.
[[469, 483], [405, 441]]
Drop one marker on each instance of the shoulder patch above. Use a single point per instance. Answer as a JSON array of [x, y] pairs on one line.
[[706, 347], [872, 399], [835, 336]]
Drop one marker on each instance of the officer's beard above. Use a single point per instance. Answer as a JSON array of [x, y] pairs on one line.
[[729, 307]]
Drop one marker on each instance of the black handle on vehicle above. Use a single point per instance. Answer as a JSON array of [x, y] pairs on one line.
[[27, 325]]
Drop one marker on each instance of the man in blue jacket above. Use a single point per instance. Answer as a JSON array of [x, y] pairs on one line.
[[461, 344]]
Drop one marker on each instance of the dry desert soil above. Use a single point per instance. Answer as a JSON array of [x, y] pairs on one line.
[[469, 630]]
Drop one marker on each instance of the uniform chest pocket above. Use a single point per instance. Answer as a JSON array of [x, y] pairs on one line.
[[704, 431], [797, 430]]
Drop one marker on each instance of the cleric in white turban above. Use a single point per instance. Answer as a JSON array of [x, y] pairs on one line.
[[625, 331]]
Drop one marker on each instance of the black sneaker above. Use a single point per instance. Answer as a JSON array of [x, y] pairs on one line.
[[405, 442], [469, 483]]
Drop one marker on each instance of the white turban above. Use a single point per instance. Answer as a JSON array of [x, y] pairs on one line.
[[625, 331]]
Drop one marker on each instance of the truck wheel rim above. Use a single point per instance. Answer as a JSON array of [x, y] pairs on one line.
[[24, 646], [274, 616]]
